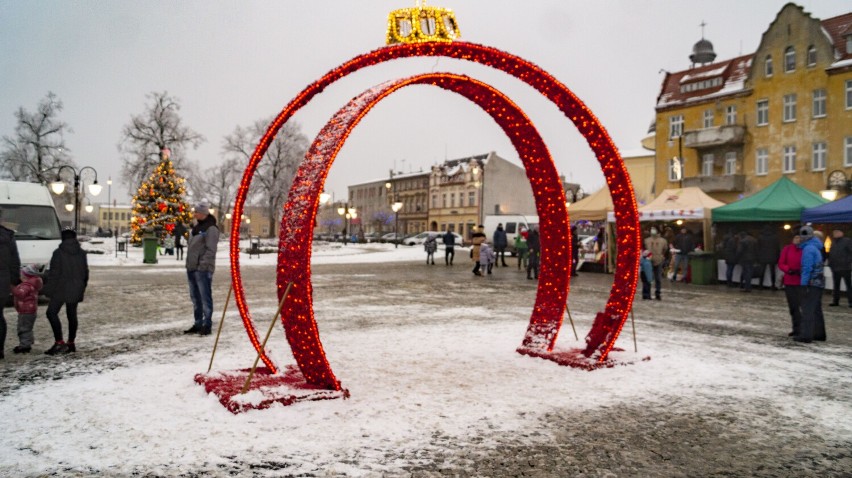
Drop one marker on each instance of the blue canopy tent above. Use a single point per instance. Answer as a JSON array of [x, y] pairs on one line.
[[834, 212]]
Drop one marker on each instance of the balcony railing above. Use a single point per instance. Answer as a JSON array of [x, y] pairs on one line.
[[718, 136], [711, 184]]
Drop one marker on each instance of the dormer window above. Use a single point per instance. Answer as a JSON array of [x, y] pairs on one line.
[[812, 56], [789, 59], [848, 44], [767, 66]]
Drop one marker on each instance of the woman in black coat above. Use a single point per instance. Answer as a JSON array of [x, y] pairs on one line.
[[66, 284], [10, 275]]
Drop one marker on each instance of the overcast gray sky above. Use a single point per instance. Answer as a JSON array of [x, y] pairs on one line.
[[231, 63]]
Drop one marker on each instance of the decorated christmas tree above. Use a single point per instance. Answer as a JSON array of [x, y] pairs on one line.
[[159, 203]]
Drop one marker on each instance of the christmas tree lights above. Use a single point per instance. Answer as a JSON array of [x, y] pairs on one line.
[[159, 202]]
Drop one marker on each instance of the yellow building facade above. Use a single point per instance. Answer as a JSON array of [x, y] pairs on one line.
[[735, 126]]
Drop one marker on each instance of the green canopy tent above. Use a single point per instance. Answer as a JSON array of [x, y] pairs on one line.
[[782, 200]]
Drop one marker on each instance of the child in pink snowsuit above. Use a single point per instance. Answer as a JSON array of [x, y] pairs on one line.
[[26, 304]]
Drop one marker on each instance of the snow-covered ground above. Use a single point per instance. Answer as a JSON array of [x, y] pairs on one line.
[[428, 354]]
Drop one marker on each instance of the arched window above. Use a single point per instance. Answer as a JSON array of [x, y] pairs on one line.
[[789, 59], [812, 55], [767, 65]]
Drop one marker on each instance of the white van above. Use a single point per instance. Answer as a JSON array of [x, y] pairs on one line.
[[511, 224], [27, 209]]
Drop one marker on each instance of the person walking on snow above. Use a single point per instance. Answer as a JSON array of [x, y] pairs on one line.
[[840, 262], [430, 245], [500, 245], [66, 285], [683, 245], [449, 247], [487, 257], [790, 264], [476, 240], [813, 283], [10, 267], [26, 304], [521, 248], [646, 272], [768, 252], [658, 246], [746, 257], [200, 265], [534, 246]]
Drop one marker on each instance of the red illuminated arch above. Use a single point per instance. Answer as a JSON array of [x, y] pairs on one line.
[[547, 315]]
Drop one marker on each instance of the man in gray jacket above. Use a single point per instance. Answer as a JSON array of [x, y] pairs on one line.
[[200, 264]]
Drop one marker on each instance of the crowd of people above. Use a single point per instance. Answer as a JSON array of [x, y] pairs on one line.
[[486, 255], [802, 263]]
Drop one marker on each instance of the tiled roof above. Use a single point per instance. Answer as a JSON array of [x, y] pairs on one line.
[[733, 73], [837, 29]]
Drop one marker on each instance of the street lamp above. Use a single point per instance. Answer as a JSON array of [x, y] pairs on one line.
[[396, 207], [58, 187], [348, 213]]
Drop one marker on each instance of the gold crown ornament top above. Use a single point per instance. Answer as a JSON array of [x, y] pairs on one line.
[[422, 24]]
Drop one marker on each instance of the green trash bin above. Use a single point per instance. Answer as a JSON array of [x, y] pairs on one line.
[[703, 267], [149, 249]]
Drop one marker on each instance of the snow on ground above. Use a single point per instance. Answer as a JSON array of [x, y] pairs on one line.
[[424, 380], [103, 253]]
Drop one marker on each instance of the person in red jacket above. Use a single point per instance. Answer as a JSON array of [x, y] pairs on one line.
[[26, 304], [790, 264]]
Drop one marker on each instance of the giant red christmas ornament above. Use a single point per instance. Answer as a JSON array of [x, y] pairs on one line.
[[546, 317]]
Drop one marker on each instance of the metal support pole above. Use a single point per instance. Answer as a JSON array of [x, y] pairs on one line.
[[268, 333], [633, 323], [219, 331], [571, 319]]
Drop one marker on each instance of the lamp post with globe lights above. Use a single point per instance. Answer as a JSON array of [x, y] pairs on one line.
[[58, 187], [348, 213]]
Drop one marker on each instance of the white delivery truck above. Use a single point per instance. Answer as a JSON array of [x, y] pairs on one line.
[[512, 224], [27, 209]]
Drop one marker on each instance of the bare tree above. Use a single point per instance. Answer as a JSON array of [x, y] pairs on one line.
[[276, 170], [219, 185], [38, 144], [160, 126]]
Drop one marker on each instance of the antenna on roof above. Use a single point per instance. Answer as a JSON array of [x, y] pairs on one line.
[[702, 24]]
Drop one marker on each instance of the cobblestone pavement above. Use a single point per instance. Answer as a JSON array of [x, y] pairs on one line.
[[661, 436]]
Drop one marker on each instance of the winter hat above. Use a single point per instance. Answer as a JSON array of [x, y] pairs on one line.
[[646, 253], [654, 231], [29, 270], [806, 232], [68, 233], [202, 208]]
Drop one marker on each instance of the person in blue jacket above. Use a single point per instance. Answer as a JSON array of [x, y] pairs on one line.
[[813, 283], [646, 272]]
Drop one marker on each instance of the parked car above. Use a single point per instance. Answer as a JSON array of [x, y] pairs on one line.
[[421, 238], [371, 237], [392, 236]]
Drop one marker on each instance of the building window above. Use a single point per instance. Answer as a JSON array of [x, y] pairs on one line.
[[811, 55], [818, 158], [789, 59], [443, 200], [730, 163], [761, 165], [763, 112], [731, 115], [707, 165], [471, 198], [848, 43], [790, 107], [767, 65], [708, 118], [789, 159], [819, 103], [434, 201], [675, 170], [675, 126], [847, 152], [848, 94]]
